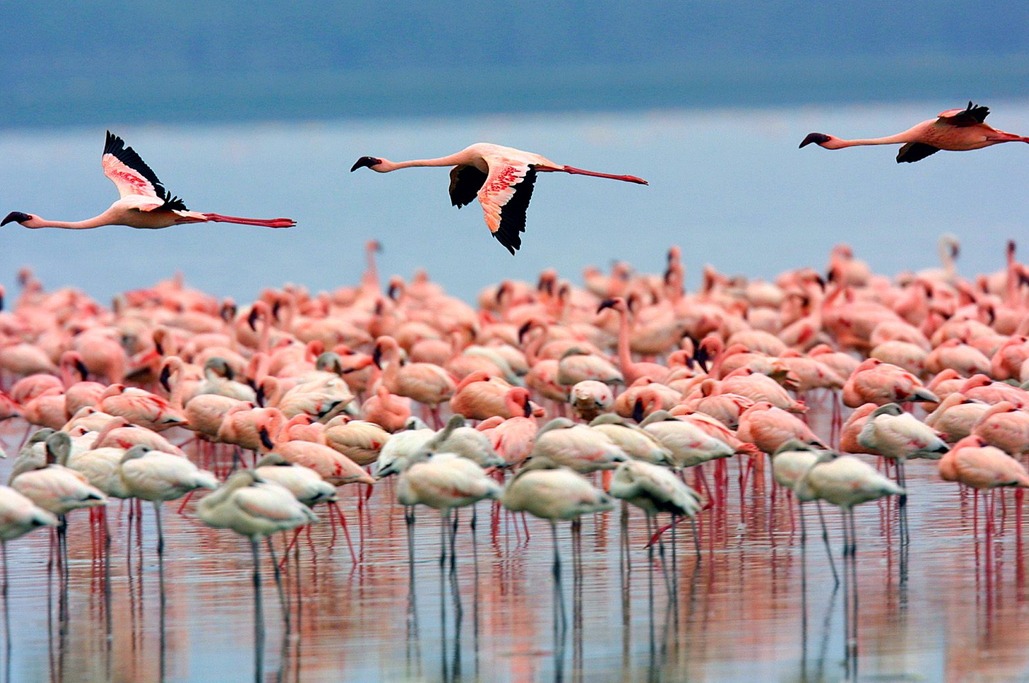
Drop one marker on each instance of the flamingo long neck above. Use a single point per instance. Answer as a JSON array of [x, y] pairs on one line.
[[371, 274], [451, 160], [392, 369], [95, 222], [624, 352], [840, 143]]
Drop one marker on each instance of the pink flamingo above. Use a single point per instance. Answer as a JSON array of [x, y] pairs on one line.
[[956, 415], [387, 410], [975, 463], [480, 396], [1004, 426], [631, 370], [426, 383], [984, 389], [956, 130], [874, 381], [143, 203], [501, 177], [514, 437], [769, 427], [140, 407]]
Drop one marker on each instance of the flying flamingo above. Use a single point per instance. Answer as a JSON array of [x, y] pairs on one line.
[[957, 130], [143, 203], [501, 177]]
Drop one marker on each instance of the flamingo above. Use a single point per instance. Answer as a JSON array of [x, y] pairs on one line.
[[442, 480], [790, 464], [254, 507], [553, 494], [1004, 426], [158, 476], [513, 438], [460, 439], [501, 177], [634, 441], [425, 383], [956, 130], [956, 416], [56, 488], [655, 489], [846, 481], [590, 398], [561, 442], [892, 433], [143, 200], [18, 516], [975, 463]]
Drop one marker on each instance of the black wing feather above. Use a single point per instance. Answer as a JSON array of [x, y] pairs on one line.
[[915, 151], [974, 114], [512, 214], [128, 156], [465, 182]]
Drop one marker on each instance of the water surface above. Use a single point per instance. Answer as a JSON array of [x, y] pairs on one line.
[[755, 607]]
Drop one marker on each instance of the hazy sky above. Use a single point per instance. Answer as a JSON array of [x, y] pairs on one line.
[[227, 60]]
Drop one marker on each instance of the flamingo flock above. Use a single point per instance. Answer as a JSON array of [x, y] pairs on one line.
[[547, 398], [550, 399]]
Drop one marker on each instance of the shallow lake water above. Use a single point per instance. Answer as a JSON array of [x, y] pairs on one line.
[[755, 606]]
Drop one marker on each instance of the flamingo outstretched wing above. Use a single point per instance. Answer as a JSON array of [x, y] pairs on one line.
[[971, 115], [132, 176], [504, 197]]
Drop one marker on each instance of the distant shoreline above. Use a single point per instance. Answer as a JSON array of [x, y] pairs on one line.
[[236, 97]]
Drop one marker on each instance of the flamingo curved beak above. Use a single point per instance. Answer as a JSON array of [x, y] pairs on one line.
[[365, 162], [15, 217], [817, 138]]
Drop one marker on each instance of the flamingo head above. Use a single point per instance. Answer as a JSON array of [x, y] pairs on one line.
[[818, 138], [16, 217], [617, 303], [370, 162]]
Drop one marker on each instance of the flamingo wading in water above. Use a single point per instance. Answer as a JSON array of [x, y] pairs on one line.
[[501, 177], [957, 130], [143, 203]]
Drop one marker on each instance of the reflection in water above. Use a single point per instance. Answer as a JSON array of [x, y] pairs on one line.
[[756, 606]]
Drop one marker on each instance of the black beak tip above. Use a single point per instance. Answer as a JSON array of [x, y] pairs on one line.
[[365, 162], [817, 138], [15, 217]]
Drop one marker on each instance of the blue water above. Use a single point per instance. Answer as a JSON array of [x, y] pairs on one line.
[[728, 185]]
